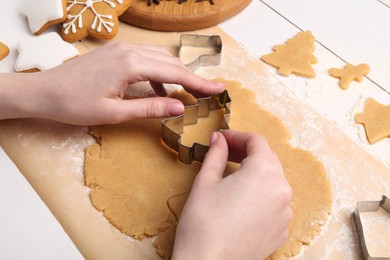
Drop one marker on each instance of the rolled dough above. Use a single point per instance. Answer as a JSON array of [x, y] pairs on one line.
[[141, 188]]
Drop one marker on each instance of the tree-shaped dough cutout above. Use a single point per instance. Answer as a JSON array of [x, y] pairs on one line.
[[376, 120], [295, 56]]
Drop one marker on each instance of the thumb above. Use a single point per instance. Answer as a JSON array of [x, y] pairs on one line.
[[215, 161], [153, 107]]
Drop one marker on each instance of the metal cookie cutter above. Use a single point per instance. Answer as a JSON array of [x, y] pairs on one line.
[[172, 128], [213, 41], [368, 206]]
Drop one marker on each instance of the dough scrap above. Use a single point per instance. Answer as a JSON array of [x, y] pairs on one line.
[[295, 56], [376, 120], [140, 186], [4, 50], [350, 73]]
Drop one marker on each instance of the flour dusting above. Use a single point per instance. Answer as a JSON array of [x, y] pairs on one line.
[[335, 106]]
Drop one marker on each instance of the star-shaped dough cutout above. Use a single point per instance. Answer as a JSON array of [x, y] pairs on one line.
[[376, 120], [43, 13], [43, 52], [3, 50], [350, 73]]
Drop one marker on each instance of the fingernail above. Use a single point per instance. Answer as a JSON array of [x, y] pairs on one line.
[[214, 138], [221, 85], [175, 108]]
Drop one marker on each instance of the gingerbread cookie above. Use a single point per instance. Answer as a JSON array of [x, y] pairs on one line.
[[41, 14], [3, 50], [376, 120], [43, 52], [98, 18], [149, 2], [295, 56], [350, 73]]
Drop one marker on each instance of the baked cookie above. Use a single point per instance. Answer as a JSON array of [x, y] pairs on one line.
[[98, 18], [41, 14], [43, 52], [349, 73], [3, 50]]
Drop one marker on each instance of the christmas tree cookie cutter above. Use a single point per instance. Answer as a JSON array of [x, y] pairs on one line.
[[213, 42], [368, 206], [172, 128]]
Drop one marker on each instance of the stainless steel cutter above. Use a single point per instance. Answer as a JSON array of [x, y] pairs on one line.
[[172, 128], [211, 41], [368, 206]]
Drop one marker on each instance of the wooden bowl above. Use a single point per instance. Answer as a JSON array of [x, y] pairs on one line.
[[173, 17]]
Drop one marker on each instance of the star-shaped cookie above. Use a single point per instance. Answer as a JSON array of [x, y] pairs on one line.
[[376, 120], [43, 52], [98, 18], [43, 13], [350, 73]]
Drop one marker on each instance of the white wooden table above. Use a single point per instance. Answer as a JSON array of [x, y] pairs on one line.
[[355, 31]]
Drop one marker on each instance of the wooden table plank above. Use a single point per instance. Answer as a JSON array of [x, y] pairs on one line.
[[355, 31], [28, 229], [385, 2]]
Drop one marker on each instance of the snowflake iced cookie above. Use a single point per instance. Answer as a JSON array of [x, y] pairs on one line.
[[43, 52], [376, 120], [295, 56], [41, 14], [3, 50], [98, 18], [349, 73]]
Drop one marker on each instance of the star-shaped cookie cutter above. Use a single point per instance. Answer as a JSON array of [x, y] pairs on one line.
[[368, 206], [172, 128]]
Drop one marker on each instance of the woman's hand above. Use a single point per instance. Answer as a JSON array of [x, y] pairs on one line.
[[90, 89], [242, 216]]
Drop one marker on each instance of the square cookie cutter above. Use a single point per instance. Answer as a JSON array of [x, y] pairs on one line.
[[206, 41], [368, 206], [172, 128]]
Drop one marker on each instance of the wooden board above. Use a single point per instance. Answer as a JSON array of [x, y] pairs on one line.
[[191, 15]]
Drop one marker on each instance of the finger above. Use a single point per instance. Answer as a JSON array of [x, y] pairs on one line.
[[254, 153], [160, 54], [156, 48], [154, 107], [242, 145], [169, 73], [215, 161]]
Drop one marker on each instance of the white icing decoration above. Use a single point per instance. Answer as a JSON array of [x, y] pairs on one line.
[[40, 12], [101, 19], [43, 52]]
